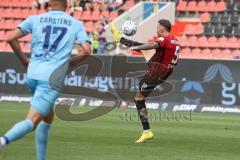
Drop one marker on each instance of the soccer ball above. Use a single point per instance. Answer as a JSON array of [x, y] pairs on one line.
[[129, 28]]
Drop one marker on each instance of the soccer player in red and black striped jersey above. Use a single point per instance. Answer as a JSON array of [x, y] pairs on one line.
[[161, 66]]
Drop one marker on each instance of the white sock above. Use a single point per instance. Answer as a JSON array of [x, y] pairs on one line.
[[3, 141], [147, 130]]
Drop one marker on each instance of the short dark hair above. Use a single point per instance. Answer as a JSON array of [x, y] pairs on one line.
[[58, 2], [166, 24]]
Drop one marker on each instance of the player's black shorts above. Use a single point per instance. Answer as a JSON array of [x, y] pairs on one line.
[[147, 85]]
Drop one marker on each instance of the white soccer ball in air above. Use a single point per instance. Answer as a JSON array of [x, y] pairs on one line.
[[129, 28]]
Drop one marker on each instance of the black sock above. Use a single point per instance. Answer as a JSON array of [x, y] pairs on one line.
[[129, 43], [142, 112]]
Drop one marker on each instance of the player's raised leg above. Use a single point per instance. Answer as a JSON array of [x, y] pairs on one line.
[[22, 128], [116, 33], [42, 132], [118, 38]]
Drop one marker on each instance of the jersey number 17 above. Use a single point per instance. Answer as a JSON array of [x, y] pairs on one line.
[[53, 30]]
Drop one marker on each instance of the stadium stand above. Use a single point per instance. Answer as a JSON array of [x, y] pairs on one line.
[[215, 32], [214, 24], [12, 12]]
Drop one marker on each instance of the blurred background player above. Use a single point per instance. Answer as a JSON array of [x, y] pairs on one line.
[[53, 36], [40, 4], [160, 67]]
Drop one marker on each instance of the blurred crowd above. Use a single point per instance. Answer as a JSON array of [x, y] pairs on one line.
[[99, 35], [89, 5], [95, 5]]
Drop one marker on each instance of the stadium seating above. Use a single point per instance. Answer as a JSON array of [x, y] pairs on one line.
[[105, 13], [206, 53], [208, 30], [86, 15], [234, 18], [182, 5], [236, 54], [204, 17], [113, 15], [237, 31], [78, 15], [89, 26], [192, 6], [95, 15], [14, 11], [201, 6], [216, 31], [215, 18], [220, 6], [202, 41], [185, 53], [129, 4]]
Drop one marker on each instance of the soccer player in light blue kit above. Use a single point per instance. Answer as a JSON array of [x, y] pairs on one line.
[[53, 36]]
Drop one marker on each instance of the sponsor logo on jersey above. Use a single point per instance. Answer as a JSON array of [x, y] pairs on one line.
[[161, 39]]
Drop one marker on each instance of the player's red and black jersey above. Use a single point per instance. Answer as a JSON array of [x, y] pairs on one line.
[[165, 58]]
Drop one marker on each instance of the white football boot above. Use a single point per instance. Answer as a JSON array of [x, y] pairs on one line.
[[2, 143]]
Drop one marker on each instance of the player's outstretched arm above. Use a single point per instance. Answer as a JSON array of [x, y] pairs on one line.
[[83, 52], [129, 43], [12, 40], [147, 50], [146, 46]]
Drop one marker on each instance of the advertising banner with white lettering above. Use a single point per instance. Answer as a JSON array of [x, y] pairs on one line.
[[201, 83]]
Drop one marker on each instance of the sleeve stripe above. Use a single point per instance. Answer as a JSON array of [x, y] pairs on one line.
[[21, 29]]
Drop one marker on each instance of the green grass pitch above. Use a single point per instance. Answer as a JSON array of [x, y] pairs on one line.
[[206, 137]]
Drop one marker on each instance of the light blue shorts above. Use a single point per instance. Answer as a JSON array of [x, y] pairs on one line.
[[43, 96]]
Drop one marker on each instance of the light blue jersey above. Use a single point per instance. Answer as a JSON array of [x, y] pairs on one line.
[[53, 36]]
